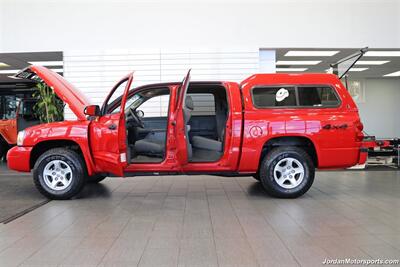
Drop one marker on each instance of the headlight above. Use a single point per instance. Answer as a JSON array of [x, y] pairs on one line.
[[20, 138]]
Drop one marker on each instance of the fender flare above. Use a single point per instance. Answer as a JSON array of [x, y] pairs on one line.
[[83, 146]]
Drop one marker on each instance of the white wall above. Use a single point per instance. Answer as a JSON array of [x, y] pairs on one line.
[[1, 27], [380, 112], [87, 24]]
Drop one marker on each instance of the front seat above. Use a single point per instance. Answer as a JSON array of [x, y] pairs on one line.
[[151, 146]]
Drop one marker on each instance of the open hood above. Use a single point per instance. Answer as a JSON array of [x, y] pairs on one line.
[[76, 100]]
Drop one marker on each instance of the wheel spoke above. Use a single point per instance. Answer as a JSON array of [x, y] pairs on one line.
[[288, 173], [56, 164], [48, 173], [55, 175], [280, 169], [292, 181], [280, 179], [289, 162], [54, 183], [298, 170]]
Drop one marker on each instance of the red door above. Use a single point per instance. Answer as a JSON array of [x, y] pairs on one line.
[[108, 132], [182, 134]]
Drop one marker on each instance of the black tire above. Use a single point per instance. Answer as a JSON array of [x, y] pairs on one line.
[[278, 155], [3, 148], [94, 179], [71, 159]]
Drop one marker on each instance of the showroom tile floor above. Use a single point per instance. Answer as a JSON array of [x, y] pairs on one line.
[[16, 193], [210, 221]]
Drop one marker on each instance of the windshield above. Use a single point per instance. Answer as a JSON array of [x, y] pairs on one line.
[[8, 106], [136, 99]]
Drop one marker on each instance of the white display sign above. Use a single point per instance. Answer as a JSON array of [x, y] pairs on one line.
[[357, 91]]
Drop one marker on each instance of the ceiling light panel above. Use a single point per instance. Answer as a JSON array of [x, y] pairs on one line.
[[300, 62], [47, 63], [393, 74], [290, 69], [372, 62], [357, 69], [311, 53], [382, 54], [57, 70], [8, 71]]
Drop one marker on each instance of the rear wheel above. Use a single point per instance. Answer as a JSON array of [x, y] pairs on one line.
[[59, 173], [287, 172], [94, 179]]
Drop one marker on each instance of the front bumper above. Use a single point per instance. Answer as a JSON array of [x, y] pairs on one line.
[[18, 158]]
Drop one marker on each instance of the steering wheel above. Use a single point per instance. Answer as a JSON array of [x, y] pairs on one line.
[[137, 121]]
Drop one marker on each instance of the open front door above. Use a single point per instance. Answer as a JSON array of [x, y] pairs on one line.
[[108, 132], [184, 148]]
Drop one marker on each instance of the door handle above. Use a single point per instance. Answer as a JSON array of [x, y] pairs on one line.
[[327, 127], [112, 126]]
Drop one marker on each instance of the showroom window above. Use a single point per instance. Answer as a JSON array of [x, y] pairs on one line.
[[274, 97], [291, 96], [317, 96]]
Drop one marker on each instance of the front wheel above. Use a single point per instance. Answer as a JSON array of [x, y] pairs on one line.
[[287, 172], [59, 174]]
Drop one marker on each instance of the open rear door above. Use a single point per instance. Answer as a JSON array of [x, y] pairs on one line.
[[343, 66], [184, 149], [108, 133]]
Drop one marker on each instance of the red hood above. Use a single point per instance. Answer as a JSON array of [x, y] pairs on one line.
[[75, 99]]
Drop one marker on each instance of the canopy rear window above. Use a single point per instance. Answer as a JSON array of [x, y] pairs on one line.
[[295, 96]]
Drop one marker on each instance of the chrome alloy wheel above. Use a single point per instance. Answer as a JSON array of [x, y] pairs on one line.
[[57, 175], [288, 173]]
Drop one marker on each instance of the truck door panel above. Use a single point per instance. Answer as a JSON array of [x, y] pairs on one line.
[[108, 138]]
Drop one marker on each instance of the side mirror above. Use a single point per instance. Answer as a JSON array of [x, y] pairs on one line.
[[140, 113], [92, 111]]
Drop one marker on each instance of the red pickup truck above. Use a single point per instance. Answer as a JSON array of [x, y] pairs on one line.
[[275, 127]]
